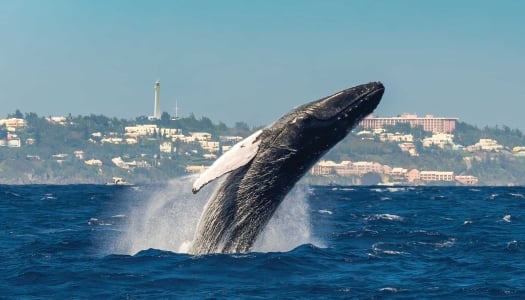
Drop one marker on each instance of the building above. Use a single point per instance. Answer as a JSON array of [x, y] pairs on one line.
[[141, 130], [57, 120], [156, 105], [346, 168], [439, 139], [485, 145], [201, 136], [156, 109], [409, 148], [324, 167], [396, 137], [412, 175], [165, 147], [79, 154], [429, 122], [13, 123], [436, 176], [14, 143], [519, 151], [210, 146], [93, 162], [195, 169], [398, 172], [467, 179]]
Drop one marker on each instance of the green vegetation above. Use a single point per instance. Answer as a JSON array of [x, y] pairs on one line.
[[47, 154], [492, 168]]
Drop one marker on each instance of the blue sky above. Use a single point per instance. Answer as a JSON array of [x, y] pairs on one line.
[[255, 60]]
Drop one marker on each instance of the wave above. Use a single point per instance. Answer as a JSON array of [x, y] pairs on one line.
[[389, 217]]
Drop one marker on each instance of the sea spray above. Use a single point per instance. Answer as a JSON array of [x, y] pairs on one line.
[[167, 218], [290, 225]]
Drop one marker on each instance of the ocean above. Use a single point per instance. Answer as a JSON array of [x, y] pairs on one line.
[[357, 242]]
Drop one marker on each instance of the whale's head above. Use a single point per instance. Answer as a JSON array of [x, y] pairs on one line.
[[343, 110], [330, 119], [313, 128]]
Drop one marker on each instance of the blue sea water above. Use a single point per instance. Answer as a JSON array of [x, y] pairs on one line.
[[113, 242]]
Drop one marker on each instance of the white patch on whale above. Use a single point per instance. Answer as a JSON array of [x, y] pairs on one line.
[[239, 155]]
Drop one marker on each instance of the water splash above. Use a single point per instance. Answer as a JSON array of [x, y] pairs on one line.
[[289, 226], [167, 220]]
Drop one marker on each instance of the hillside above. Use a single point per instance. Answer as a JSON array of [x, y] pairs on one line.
[[95, 148]]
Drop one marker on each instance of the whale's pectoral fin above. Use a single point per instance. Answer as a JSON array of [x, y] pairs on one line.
[[239, 155]]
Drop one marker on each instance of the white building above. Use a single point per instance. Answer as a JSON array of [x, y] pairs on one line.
[[13, 123], [170, 132], [57, 120], [165, 147], [398, 172], [209, 146], [486, 145], [439, 139], [201, 136], [396, 137], [79, 154], [14, 143], [93, 162], [141, 130]]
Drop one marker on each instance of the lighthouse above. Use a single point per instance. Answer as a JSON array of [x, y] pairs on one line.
[[156, 111]]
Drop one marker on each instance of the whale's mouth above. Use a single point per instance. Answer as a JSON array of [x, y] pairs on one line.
[[357, 101], [363, 105]]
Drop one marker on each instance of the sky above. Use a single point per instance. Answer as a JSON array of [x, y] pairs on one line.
[[253, 61]]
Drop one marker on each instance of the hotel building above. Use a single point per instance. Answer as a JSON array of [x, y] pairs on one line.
[[429, 122]]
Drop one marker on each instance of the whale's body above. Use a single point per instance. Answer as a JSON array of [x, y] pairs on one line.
[[260, 170]]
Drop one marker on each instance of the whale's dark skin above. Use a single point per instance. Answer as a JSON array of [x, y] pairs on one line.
[[248, 196]]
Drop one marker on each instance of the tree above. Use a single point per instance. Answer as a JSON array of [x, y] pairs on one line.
[[17, 115], [165, 118]]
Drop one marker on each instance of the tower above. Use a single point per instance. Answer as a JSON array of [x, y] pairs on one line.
[[156, 112]]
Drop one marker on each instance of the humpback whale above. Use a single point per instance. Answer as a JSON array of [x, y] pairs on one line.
[[259, 171]]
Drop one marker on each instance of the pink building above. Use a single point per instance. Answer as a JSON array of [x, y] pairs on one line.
[[436, 176], [429, 122], [467, 179]]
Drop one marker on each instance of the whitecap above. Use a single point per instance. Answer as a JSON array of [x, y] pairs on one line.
[[446, 244], [324, 211], [493, 196], [517, 195], [506, 218], [512, 245], [48, 197], [393, 189], [389, 289], [393, 252], [377, 249], [97, 222], [389, 217]]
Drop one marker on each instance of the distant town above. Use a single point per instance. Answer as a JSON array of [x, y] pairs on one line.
[[402, 150]]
